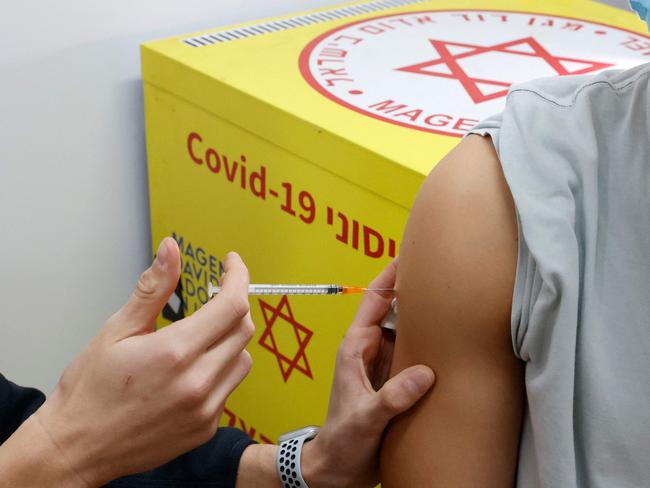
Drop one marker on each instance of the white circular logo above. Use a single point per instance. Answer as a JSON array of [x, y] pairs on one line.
[[443, 71]]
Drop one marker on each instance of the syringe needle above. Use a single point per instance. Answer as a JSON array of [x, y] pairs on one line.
[[357, 289]]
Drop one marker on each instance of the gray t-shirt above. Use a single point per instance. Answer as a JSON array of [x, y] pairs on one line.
[[575, 152]]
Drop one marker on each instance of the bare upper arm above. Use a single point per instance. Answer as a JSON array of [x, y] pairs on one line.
[[455, 282]]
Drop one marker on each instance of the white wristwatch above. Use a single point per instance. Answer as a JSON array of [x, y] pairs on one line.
[[289, 454]]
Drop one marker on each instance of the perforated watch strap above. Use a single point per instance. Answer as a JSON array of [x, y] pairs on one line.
[[288, 462]]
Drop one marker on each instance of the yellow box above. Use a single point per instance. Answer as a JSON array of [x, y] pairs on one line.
[[301, 141]]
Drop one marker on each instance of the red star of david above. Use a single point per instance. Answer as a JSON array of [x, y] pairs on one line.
[[303, 336], [472, 85]]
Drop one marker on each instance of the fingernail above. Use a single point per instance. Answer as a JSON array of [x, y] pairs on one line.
[[421, 380], [162, 256]]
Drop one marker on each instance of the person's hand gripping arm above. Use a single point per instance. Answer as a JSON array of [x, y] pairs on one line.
[[345, 454]]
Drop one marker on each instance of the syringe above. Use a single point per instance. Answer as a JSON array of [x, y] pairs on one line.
[[299, 289]]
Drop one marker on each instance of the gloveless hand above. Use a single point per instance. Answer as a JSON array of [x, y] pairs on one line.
[[134, 398]]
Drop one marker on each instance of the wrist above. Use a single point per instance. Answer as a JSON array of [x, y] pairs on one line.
[[317, 469], [257, 467], [72, 442], [29, 458]]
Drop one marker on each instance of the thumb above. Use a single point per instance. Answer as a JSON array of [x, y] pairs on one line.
[[151, 293], [403, 390]]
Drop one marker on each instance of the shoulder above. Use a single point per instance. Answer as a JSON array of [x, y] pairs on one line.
[[560, 121], [566, 91]]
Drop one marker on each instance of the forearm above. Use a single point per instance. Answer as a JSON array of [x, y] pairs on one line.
[[29, 458]]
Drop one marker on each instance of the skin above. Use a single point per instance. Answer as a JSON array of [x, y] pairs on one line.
[[455, 284], [136, 398]]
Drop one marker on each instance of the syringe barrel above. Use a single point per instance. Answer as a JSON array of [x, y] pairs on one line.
[[261, 289]]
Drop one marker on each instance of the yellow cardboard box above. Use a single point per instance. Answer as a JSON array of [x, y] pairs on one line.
[[301, 141]]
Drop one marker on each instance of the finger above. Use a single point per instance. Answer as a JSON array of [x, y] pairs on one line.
[[231, 345], [228, 380], [381, 371], [374, 304], [386, 279], [221, 314], [151, 293], [401, 392], [356, 358]]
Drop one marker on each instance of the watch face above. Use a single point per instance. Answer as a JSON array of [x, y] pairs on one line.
[[309, 431]]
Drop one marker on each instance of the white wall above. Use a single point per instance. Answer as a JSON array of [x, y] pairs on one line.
[[73, 182], [73, 189]]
